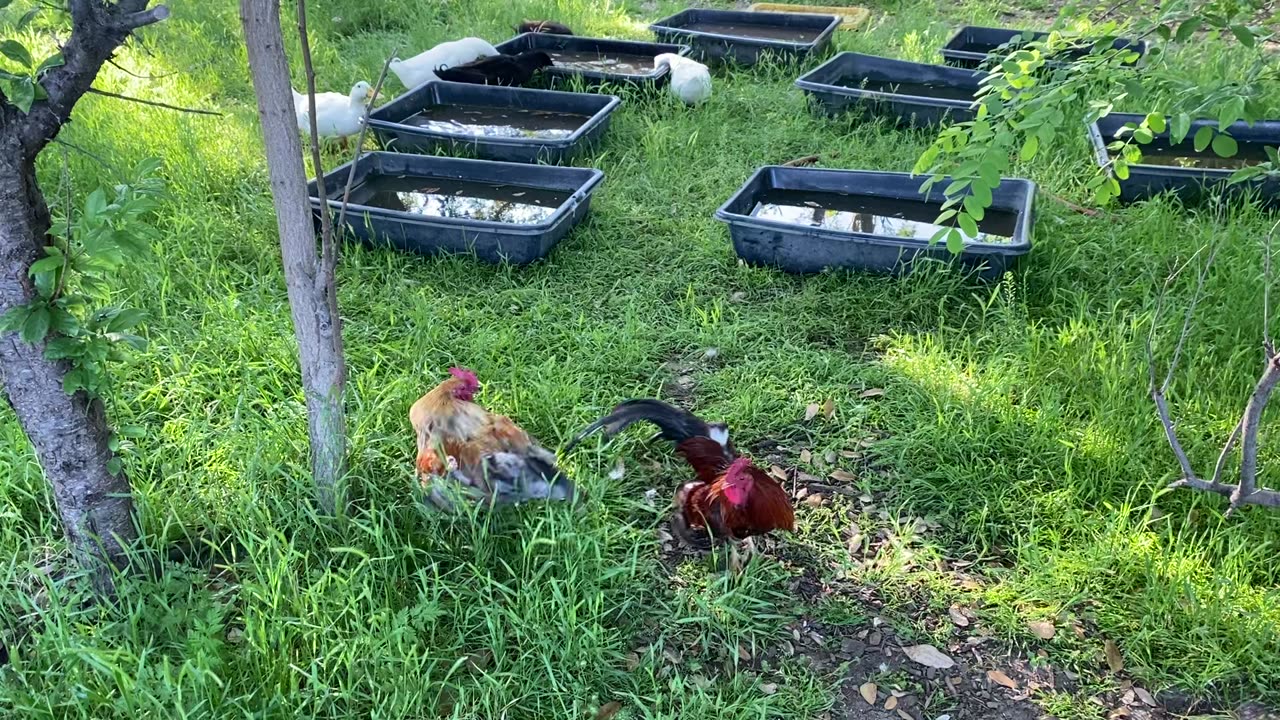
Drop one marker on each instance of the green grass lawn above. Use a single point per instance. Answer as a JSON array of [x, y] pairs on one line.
[[1014, 419]]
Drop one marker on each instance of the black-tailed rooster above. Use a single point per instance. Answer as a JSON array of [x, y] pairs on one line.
[[731, 500], [467, 452]]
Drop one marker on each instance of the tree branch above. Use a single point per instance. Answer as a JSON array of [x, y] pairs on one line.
[[1249, 430], [144, 18], [364, 127], [328, 254], [153, 103], [97, 31], [1265, 498]]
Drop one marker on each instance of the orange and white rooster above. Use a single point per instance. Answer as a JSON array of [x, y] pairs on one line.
[[468, 453]]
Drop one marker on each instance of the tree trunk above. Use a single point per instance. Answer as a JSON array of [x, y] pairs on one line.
[[313, 297], [69, 432]]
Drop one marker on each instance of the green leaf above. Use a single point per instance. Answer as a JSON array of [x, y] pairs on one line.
[[52, 61], [1187, 29], [1245, 173], [968, 225], [36, 325], [126, 319], [5, 3], [944, 216], [63, 348], [1121, 169], [955, 243], [21, 93], [982, 193], [15, 318], [1143, 136], [1179, 126], [1225, 145], [1155, 121], [1203, 137], [44, 265], [16, 52], [1231, 111], [1244, 34], [1272, 155], [26, 19], [95, 204], [974, 208], [115, 466], [73, 381], [1029, 148]]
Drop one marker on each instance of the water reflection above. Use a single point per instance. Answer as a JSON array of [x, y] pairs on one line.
[[871, 215], [487, 121], [464, 199]]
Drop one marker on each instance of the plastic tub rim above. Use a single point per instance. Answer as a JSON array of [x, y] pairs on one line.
[[832, 26]]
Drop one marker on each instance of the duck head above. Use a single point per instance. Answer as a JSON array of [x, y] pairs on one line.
[[361, 93]]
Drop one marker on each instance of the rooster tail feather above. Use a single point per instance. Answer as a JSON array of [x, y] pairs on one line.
[[677, 425]]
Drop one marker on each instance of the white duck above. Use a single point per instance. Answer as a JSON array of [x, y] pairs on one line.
[[690, 79], [421, 67], [337, 115]]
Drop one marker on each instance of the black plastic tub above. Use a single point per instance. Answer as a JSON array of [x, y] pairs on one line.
[[926, 95], [971, 46], [587, 58], [536, 205], [794, 219], [1179, 168], [493, 122], [743, 37]]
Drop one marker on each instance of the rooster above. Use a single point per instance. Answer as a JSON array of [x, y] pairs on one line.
[[465, 450], [731, 499]]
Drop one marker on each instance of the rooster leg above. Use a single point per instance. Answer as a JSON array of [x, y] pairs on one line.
[[736, 560]]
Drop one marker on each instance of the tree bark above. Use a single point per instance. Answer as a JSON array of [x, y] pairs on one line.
[[313, 297], [69, 432]]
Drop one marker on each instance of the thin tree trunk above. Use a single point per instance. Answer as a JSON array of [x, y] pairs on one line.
[[69, 432], [313, 297]]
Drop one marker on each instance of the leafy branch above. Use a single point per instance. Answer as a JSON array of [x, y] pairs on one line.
[[74, 281], [1029, 97]]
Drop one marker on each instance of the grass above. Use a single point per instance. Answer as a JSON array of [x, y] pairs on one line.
[[1014, 415]]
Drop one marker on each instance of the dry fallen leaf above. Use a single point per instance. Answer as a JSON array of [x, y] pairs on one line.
[[743, 653], [619, 470], [907, 716], [843, 476], [1000, 678], [778, 472], [1145, 696], [235, 636], [811, 411], [891, 703], [1115, 660], [806, 457], [958, 617], [829, 408], [868, 692], [1042, 629], [608, 710], [633, 661], [1078, 629], [872, 393], [929, 656], [769, 688], [814, 500]]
